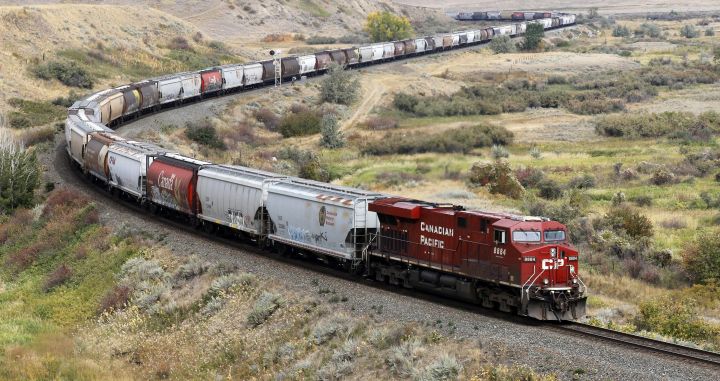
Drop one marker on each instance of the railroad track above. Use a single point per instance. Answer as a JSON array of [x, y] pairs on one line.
[[663, 348]]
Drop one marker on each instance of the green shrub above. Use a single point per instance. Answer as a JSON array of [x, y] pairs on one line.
[[498, 177], [265, 306], [502, 44], [499, 152], [630, 221], [549, 189], [671, 124], [19, 174], [463, 140], [69, 73], [31, 113], [689, 31], [702, 258], [529, 177], [204, 133], [300, 124], [648, 30], [662, 177], [584, 181], [339, 86], [385, 26], [405, 102], [676, 318], [709, 32], [621, 31], [533, 37], [593, 103], [330, 130]]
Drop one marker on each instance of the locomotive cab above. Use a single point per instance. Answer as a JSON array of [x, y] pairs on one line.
[[550, 284]]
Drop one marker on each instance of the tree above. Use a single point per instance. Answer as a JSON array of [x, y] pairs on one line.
[[502, 44], [533, 36], [340, 86], [19, 174], [385, 26], [689, 31], [593, 13], [332, 137], [621, 31], [702, 259]]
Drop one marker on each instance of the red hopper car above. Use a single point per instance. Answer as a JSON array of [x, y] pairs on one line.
[[520, 264]]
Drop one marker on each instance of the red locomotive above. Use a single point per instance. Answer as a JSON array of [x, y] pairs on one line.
[[517, 264]]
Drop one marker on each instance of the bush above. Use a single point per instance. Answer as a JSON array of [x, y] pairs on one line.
[[689, 31], [320, 40], [642, 201], [69, 73], [533, 37], [671, 124], [584, 181], [549, 189], [267, 118], [339, 86], [709, 32], [463, 140], [499, 152], [32, 113], [179, 43], [19, 174], [299, 124], [630, 221], [192, 268], [116, 298], [648, 30], [675, 318], [330, 130], [325, 331], [385, 26], [377, 123], [405, 102], [307, 163], [529, 177], [204, 133], [593, 103], [60, 275], [702, 258], [662, 177], [499, 178], [265, 306], [446, 367], [502, 44], [621, 31]]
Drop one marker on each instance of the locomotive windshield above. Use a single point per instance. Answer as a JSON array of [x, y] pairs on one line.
[[526, 236], [554, 235]]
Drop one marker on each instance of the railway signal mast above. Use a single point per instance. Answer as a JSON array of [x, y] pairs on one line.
[[278, 66]]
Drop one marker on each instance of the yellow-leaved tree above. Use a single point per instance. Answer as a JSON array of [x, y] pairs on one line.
[[385, 26]]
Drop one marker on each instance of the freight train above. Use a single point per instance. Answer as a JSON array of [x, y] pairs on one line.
[[562, 18], [521, 264]]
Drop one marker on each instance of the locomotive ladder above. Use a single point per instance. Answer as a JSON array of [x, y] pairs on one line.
[[360, 236], [278, 71]]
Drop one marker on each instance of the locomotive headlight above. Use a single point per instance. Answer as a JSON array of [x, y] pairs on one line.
[[574, 281], [553, 252], [546, 281]]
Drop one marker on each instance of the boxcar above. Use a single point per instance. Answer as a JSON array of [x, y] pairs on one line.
[[211, 81], [252, 74], [517, 16], [132, 99], [149, 94], [170, 88], [366, 53], [232, 76], [338, 56], [290, 66], [172, 183], [399, 49], [529, 16], [322, 61], [410, 46], [479, 16], [307, 64], [420, 45], [388, 50], [96, 153], [494, 15], [111, 106], [233, 196], [351, 55], [77, 133], [321, 217], [127, 166]]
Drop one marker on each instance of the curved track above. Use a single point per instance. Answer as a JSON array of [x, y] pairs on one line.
[[663, 348]]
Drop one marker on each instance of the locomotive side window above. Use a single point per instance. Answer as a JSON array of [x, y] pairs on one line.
[[499, 236], [462, 222], [483, 225], [526, 236], [554, 235]]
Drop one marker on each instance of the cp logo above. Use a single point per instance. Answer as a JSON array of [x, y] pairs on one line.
[[552, 264]]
